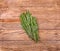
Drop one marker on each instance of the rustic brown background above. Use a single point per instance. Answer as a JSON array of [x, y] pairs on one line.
[[14, 38]]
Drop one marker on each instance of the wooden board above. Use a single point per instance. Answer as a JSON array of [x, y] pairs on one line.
[[14, 38]]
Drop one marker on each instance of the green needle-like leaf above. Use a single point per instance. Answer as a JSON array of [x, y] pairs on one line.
[[30, 25]]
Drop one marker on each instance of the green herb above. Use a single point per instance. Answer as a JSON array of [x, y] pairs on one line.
[[30, 25]]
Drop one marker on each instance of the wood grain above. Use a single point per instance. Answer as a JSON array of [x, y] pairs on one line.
[[14, 38]]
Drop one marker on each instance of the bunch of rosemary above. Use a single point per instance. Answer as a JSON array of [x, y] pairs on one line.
[[30, 25]]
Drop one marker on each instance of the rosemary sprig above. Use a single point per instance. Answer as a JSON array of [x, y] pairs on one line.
[[30, 25]]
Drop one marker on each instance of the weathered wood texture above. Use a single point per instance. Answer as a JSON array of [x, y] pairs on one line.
[[14, 38]]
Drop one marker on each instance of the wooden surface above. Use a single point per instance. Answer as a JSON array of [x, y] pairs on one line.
[[14, 38]]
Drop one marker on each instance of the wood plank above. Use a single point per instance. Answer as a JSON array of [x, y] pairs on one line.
[[49, 35], [47, 3], [15, 45], [39, 12], [43, 24]]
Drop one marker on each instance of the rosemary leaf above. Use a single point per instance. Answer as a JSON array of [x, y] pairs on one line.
[[29, 24]]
